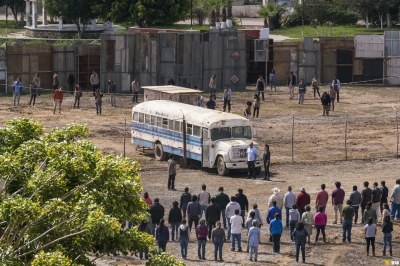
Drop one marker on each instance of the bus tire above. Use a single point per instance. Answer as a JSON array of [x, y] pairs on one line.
[[258, 170], [221, 166], [159, 153]]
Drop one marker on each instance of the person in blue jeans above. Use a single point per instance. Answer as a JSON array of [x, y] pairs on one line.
[[184, 238], [162, 235], [276, 229], [174, 219], [218, 237], [395, 199], [387, 228], [348, 213], [300, 236], [294, 217], [236, 230], [201, 235], [144, 227]]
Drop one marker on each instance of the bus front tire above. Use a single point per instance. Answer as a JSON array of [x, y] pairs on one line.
[[159, 153], [221, 166]]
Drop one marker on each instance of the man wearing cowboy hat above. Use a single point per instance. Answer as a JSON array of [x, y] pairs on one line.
[[276, 197]]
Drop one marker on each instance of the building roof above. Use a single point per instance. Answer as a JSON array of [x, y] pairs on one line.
[[171, 89]]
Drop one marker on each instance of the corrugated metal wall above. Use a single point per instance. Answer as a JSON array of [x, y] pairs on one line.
[[392, 56], [3, 71]]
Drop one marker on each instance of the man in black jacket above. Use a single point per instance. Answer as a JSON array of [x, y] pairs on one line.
[[174, 219], [213, 214], [385, 194], [244, 204], [185, 199], [157, 213]]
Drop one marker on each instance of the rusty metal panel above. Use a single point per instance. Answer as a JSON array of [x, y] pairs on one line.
[[358, 66], [393, 70], [369, 46]]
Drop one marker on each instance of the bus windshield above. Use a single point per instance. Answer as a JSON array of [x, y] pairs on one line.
[[227, 133]]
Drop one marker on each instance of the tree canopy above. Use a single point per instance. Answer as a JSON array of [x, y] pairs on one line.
[[63, 199]]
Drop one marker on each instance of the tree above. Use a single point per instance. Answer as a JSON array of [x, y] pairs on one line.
[[364, 8], [200, 11], [73, 10], [346, 17], [317, 12], [63, 199], [273, 13], [14, 5], [116, 11]]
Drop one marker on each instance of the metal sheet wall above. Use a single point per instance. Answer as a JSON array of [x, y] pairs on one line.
[[369, 46], [393, 70], [64, 63], [3, 71]]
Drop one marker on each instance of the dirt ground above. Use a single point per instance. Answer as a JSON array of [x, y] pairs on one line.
[[319, 153]]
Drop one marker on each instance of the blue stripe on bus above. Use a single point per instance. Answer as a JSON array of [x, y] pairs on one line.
[[165, 133], [168, 149]]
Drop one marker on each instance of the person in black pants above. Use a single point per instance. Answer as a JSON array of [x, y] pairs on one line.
[[213, 215], [251, 159], [266, 159], [385, 194], [193, 212], [260, 85], [157, 213], [366, 196]]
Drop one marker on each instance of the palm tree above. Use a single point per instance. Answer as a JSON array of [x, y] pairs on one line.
[[272, 13]]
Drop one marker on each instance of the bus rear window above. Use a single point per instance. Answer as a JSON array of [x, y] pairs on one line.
[[221, 133]]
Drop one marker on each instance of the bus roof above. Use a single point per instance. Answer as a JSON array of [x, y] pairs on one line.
[[193, 114]]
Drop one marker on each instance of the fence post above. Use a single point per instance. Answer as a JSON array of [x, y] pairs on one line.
[[345, 135], [397, 133], [292, 136], [124, 134]]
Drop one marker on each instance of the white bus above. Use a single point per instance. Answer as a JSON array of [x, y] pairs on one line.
[[216, 139]]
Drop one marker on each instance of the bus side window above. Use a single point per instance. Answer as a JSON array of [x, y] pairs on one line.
[[171, 124], [165, 123], [189, 129], [147, 119], [141, 118], [159, 121], [135, 117], [197, 131], [178, 126], [154, 120]]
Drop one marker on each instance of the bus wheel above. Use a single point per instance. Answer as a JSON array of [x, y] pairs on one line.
[[258, 170], [159, 152], [221, 166]]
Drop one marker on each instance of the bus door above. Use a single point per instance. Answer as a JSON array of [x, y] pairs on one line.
[[205, 149]]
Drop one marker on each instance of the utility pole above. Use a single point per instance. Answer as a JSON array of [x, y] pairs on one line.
[[6, 18], [302, 19], [191, 14]]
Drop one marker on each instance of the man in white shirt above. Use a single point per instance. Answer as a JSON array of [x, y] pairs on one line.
[[276, 197], [94, 81], [230, 212], [251, 158], [288, 200], [236, 227], [204, 199]]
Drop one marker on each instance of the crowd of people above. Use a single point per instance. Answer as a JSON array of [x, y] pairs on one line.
[[221, 218]]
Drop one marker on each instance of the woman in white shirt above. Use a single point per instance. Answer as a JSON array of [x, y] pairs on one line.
[[385, 212], [370, 232]]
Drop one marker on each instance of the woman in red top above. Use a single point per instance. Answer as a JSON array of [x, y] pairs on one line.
[[320, 220], [147, 199]]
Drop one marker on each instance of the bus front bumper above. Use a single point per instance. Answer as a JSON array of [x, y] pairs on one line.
[[242, 165]]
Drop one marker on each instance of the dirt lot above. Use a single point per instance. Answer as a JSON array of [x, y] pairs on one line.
[[318, 154]]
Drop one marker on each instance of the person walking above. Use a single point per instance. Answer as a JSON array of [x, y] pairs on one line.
[[355, 198], [227, 98], [332, 98], [385, 212], [236, 230], [230, 212], [244, 204], [347, 224], [201, 235], [260, 86], [184, 238], [266, 160], [276, 197], [157, 213], [320, 221], [213, 87], [253, 240], [135, 89], [370, 233], [325, 101], [276, 229], [193, 212], [337, 201], [147, 199], [366, 196], [98, 97], [294, 217], [272, 79], [204, 199], [395, 200], [171, 172], [78, 95], [211, 104], [94, 81], [58, 98], [288, 200], [315, 85], [213, 215], [299, 235], [387, 228], [71, 83], [17, 89], [308, 220], [385, 194], [302, 200], [222, 201], [174, 219], [55, 82], [218, 237], [370, 213], [185, 199], [144, 227], [112, 90], [376, 198], [322, 198], [251, 158], [162, 235], [291, 81], [336, 87], [33, 92], [302, 91], [256, 105]]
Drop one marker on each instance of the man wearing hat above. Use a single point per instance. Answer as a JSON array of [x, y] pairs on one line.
[[276, 197], [291, 81], [302, 200]]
